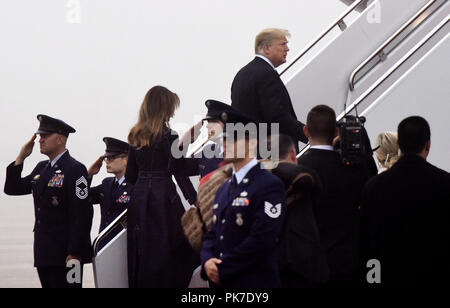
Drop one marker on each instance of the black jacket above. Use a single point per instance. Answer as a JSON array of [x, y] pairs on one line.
[[201, 164], [258, 92], [405, 224], [63, 215], [300, 251], [337, 209]]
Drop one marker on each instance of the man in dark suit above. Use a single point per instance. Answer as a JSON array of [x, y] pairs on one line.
[[336, 209], [113, 194], [240, 249], [405, 217], [258, 91], [63, 215], [301, 258]]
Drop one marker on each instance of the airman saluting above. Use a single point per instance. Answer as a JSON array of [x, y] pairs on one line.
[[63, 215], [113, 194]]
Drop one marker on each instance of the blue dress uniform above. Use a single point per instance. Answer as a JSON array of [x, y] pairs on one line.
[[247, 220], [63, 215], [112, 194], [211, 156], [113, 197]]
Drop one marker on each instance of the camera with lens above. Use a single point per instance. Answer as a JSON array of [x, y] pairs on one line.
[[352, 142]]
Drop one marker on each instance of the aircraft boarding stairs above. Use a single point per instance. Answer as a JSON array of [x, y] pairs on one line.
[[390, 61]]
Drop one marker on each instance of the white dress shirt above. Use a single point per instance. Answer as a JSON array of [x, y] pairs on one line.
[[267, 60], [322, 147], [240, 175], [53, 162]]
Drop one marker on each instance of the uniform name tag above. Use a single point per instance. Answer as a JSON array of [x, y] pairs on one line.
[[56, 181], [240, 202]]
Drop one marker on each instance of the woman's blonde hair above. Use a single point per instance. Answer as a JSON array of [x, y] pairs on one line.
[[267, 36], [387, 151], [156, 110]]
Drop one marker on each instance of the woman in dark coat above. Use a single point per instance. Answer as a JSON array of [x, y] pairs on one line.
[[159, 254]]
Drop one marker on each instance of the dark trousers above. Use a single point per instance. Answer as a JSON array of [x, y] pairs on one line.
[[290, 279], [56, 278]]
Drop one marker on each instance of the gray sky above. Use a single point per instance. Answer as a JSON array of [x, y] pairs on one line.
[[94, 74]]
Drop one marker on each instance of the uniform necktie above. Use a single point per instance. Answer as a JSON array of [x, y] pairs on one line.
[[115, 185], [233, 184], [48, 168]]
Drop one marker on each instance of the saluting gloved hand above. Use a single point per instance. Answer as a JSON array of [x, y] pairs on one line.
[[25, 151], [95, 167]]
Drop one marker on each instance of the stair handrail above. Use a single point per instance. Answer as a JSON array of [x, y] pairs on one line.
[[380, 51], [119, 220], [387, 75], [333, 25]]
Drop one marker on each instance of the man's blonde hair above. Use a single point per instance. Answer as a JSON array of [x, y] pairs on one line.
[[267, 36]]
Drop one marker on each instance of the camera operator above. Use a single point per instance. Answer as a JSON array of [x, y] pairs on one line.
[[336, 209]]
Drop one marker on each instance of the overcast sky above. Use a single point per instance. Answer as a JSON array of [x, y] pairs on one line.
[[90, 62]]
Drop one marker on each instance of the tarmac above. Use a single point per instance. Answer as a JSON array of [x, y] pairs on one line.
[[16, 244]]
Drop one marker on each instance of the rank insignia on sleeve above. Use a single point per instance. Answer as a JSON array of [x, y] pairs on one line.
[[273, 211], [81, 188], [56, 181]]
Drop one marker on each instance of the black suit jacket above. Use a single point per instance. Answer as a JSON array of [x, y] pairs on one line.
[[258, 92], [63, 215], [300, 251], [336, 209], [405, 224]]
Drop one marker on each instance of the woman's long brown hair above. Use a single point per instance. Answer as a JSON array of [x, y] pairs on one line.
[[156, 110]]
